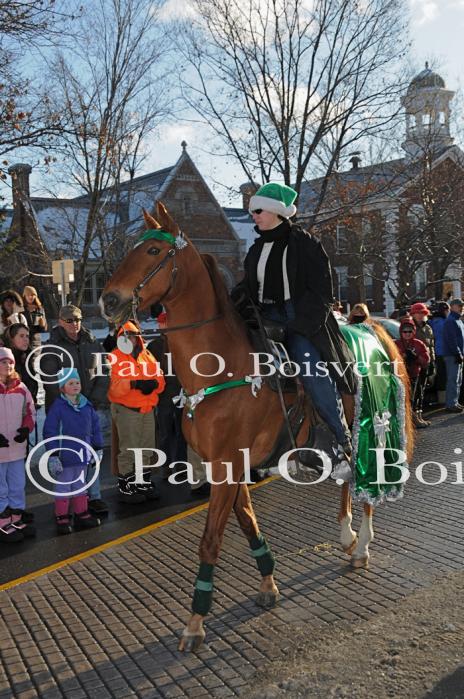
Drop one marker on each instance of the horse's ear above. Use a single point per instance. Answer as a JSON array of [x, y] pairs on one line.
[[167, 223], [150, 221]]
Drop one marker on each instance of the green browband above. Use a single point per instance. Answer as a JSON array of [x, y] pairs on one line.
[[158, 234]]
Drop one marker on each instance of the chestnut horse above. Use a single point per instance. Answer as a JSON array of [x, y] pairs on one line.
[[165, 266]]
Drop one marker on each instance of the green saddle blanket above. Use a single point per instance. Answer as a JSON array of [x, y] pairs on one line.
[[378, 433]]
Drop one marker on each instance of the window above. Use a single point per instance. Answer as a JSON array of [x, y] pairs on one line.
[[100, 281], [442, 118], [426, 121], [368, 274], [342, 283], [342, 239], [187, 205], [412, 121], [420, 281]]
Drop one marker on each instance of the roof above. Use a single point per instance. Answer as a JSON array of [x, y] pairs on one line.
[[361, 185], [242, 223], [426, 78]]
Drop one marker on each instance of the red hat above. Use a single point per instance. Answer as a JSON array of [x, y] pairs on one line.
[[419, 308]]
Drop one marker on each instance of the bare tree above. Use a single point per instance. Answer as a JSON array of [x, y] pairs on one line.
[[289, 85], [112, 93]]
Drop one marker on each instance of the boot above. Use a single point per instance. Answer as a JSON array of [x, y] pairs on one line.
[[147, 488], [63, 525], [82, 517], [425, 422], [17, 521], [128, 490], [84, 520], [418, 422], [63, 522], [8, 533]]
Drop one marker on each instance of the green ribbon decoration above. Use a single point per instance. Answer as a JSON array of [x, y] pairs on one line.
[[228, 384], [158, 234], [380, 395]]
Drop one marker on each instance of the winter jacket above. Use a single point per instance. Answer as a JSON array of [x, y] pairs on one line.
[[311, 292], [32, 318], [126, 369], [424, 333], [87, 356], [80, 421], [453, 336], [16, 410], [24, 375], [414, 352], [159, 348], [437, 324]]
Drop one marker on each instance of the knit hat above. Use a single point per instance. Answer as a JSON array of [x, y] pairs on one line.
[[65, 375], [6, 353], [407, 321], [276, 198], [419, 308], [456, 302]]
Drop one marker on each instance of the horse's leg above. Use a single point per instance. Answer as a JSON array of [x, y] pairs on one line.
[[360, 557], [220, 505], [243, 508], [348, 537]]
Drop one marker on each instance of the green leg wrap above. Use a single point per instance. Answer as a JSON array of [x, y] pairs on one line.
[[264, 558], [203, 593]]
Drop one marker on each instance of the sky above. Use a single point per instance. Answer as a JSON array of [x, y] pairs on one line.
[[437, 27]]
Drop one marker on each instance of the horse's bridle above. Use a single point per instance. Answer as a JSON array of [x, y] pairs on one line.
[[171, 254]]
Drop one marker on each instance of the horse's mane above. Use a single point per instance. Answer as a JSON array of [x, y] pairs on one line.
[[226, 308], [394, 354]]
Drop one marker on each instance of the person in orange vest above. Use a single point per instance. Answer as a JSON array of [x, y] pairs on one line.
[[136, 381]]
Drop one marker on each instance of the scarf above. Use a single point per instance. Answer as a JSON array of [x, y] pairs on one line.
[[273, 288]]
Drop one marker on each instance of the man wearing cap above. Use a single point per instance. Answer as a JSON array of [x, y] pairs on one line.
[[85, 353], [288, 276], [453, 349], [424, 333]]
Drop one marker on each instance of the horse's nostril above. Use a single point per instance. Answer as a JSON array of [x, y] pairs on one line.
[[110, 302]]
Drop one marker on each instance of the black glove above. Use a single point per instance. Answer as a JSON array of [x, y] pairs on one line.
[[3, 441], [410, 356], [458, 359], [146, 386], [23, 434]]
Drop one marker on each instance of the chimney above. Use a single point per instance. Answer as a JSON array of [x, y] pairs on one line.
[[247, 190], [355, 160], [20, 179]]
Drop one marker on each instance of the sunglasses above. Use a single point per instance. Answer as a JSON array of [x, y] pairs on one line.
[[257, 211], [72, 320], [407, 332]]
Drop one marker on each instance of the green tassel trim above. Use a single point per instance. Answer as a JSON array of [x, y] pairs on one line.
[[203, 592], [263, 554]]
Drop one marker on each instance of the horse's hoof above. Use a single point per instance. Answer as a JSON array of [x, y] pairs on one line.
[[362, 562], [267, 600], [191, 641], [349, 549]]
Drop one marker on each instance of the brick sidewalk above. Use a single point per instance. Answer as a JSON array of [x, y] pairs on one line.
[[108, 626]]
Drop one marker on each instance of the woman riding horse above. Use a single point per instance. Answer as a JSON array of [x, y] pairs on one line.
[[230, 416], [288, 276]]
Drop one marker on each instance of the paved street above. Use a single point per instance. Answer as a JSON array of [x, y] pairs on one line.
[[108, 625]]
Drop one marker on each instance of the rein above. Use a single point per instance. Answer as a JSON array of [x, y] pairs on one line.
[[178, 243]]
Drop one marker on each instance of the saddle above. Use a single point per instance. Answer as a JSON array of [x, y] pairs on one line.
[[273, 344]]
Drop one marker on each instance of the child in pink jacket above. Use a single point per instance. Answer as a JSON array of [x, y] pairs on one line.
[[17, 419]]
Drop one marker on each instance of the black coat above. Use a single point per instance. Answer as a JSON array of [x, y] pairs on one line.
[[311, 292], [83, 353]]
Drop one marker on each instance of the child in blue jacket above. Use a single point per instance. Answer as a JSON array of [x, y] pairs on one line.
[[72, 415]]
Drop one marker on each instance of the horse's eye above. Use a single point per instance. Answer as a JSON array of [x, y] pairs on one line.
[[153, 251]]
